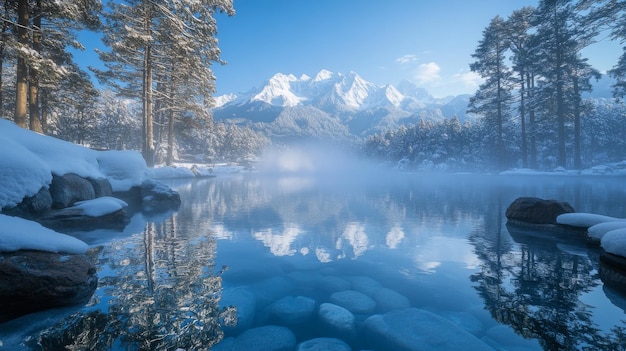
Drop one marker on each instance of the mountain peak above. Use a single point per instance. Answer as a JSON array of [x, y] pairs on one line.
[[278, 91], [332, 90], [324, 74]]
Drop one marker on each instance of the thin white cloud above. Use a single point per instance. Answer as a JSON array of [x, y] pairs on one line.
[[468, 79], [406, 59], [427, 73]]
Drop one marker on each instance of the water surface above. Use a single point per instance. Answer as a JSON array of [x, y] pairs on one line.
[[440, 241]]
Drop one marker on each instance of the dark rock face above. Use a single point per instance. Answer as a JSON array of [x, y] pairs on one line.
[[156, 196], [32, 206], [612, 271], [32, 281], [536, 211], [101, 187], [70, 188], [68, 219]]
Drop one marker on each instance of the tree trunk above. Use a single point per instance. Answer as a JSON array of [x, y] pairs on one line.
[[170, 139], [560, 98], [3, 40], [21, 77], [522, 112], [33, 91], [148, 128], [44, 111], [578, 162], [499, 111], [530, 86], [148, 131], [170, 131]]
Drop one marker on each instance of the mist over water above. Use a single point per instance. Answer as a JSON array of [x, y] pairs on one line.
[[322, 163]]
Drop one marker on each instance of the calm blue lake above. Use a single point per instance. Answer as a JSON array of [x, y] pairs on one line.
[[428, 257]]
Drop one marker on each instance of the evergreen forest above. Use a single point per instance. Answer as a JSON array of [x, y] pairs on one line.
[[155, 92]]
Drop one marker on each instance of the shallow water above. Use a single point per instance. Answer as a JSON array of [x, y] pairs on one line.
[[438, 243]]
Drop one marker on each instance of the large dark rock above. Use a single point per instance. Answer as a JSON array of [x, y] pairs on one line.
[[157, 196], [101, 187], [72, 219], [34, 280], [32, 206], [534, 210], [70, 188], [612, 270]]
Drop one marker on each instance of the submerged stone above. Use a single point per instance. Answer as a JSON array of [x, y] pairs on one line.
[[414, 329], [366, 285], [244, 302], [293, 310], [337, 318], [506, 338], [389, 300], [323, 344], [331, 284], [267, 338], [354, 301]]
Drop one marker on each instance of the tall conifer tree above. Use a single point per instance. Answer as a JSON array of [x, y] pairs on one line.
[[493, 98]]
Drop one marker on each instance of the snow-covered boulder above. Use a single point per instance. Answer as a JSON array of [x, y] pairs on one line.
[[124, 169], [414, 329], [33, 205], [21, 234], [103, 212], [532, 210], [70, 188], [614, 242], [156, 196], [596, 232], [585, 220], [36, 280]]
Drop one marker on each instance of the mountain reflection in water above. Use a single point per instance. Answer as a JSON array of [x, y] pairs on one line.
[[441, 241]]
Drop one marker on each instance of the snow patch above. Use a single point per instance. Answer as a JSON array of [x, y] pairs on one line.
[[584, 220], [21, 234], [123, 169], [597, 231], [100, 206], [614, 242]]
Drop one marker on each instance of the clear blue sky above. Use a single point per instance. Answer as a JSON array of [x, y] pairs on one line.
[[428, 42]]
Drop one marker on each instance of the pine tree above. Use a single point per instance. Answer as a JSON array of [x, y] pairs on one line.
[[21, 97], [166, 47], [493, 98], [43, 31], [564, 72], [522, 43], [610, 15]]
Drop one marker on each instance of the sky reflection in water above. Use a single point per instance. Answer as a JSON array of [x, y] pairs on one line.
[[440, 240]]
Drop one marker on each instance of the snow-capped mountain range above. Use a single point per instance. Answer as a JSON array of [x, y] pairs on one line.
[[333, 105]]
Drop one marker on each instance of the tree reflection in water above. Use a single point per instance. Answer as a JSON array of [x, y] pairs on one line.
[[535, 288], [158, 291]]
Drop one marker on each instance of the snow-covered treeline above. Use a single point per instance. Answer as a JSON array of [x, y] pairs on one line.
[[450, 145]]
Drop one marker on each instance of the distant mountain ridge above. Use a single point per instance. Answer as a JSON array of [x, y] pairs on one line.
[[333, 105]]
